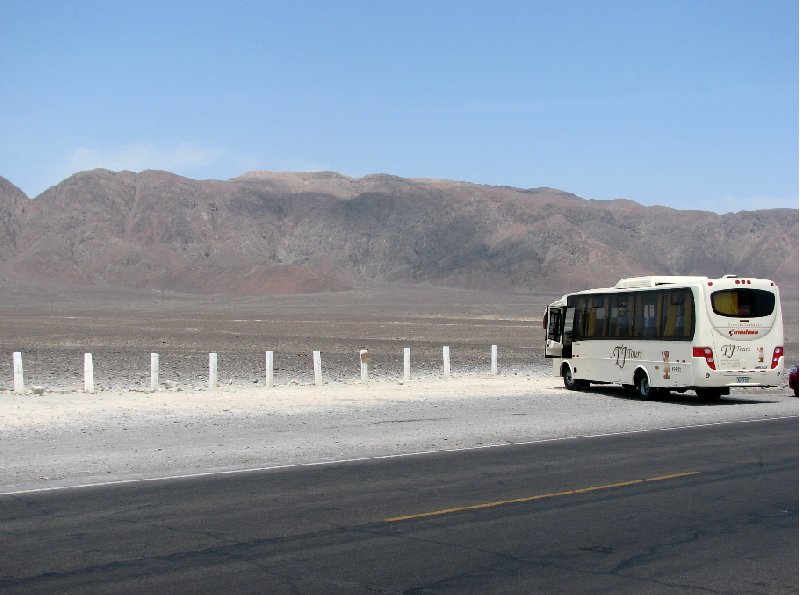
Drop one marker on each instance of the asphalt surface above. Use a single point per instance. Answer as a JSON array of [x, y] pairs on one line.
[[700, 509]]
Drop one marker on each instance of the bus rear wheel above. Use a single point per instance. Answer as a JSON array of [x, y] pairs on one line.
[[643, 388], [708, 394]]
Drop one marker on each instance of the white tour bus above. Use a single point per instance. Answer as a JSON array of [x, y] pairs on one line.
[[659, 334]]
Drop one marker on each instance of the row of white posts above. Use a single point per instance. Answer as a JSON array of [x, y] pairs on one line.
[[213, 376]]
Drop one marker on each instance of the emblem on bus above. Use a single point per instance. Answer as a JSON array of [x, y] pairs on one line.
[[745, 331], [665, 357], [622, 353]]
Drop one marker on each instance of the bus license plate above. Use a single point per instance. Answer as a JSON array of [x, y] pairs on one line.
[[743, 379]]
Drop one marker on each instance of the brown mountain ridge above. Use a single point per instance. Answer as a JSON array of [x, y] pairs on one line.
[[267, 232]]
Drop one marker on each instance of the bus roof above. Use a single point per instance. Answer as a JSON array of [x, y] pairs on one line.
[[725, 280], [654, 281], [660, 280]]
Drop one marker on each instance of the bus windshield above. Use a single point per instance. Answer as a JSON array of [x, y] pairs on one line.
[[750, 303]]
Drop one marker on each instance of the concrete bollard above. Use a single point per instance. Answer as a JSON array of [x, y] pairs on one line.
[[212, 371], [19, 377], [153, 371], [317, 368], [365, 358], [406, 364], [88, 373], [446, 360], [494, 360], [270, 369]]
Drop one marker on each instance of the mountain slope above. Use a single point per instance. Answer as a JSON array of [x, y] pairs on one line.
[[280, 233], [12, 206]]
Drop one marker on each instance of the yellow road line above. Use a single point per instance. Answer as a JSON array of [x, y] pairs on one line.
[[609, 486]]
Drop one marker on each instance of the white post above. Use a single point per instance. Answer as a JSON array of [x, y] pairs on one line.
[[406, 364], [19, 378], [212, 371], [364, 357], [494, 360], [317, 369], [153, 371], [88, 373], [446, 360], [270, 368]]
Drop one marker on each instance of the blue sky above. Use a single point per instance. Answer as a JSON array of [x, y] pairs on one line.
[[689, 104]]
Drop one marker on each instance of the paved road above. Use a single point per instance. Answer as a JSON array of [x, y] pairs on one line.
[[702, 509]]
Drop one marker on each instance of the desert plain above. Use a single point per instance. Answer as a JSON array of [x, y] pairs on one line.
[[66, 437], [121, 329], [54, 328]]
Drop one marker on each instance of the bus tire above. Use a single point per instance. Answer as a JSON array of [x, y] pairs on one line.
[[569, 381], [708, 394], [643, 388]]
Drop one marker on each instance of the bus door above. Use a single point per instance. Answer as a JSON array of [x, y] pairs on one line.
[[559, 331]]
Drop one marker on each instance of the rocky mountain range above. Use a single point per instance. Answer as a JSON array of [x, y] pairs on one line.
[[270, 232]]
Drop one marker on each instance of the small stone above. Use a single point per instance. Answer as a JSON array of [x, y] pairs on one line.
[[38, 390]]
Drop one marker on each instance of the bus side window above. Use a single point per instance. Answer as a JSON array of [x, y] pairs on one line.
[[597, 316], [673, 316], [638, 323], [677, 304], [647, 318], [618, 316], [688, 316], [602, 317], [581, 319]]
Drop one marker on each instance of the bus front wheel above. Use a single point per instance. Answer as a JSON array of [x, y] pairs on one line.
[[569, 381]]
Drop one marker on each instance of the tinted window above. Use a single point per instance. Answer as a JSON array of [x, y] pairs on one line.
[[677, 314], [555, 327], [743, 303], [648, 307], [596, 317], [619, 320], [660, 314], [581, 305]]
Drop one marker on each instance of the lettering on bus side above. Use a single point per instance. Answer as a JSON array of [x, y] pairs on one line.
[[621, 353]]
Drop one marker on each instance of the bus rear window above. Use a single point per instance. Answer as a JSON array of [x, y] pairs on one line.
[[748, 303]]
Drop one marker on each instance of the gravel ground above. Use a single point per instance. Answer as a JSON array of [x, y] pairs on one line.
[[68, 438], [72, 439], [121, 331]]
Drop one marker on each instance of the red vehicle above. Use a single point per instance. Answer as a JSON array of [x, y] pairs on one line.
[[793, 379]]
